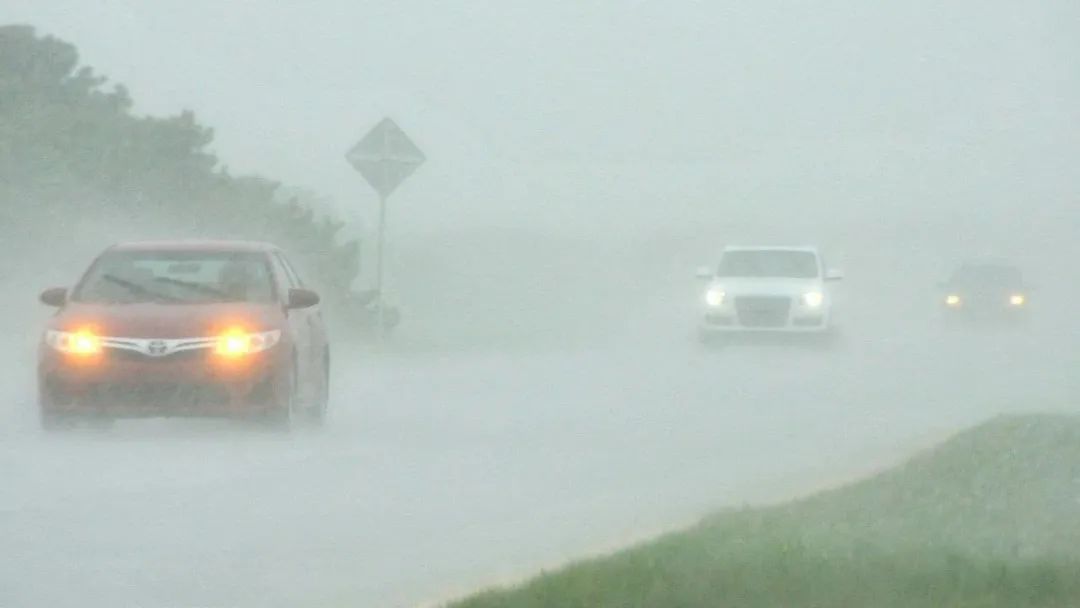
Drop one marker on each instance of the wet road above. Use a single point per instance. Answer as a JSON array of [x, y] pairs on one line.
[[440, 472]]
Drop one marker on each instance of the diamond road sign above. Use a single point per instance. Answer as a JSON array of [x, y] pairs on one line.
[[385, 157]]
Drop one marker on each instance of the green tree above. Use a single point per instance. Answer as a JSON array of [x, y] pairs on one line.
[[71, 148]]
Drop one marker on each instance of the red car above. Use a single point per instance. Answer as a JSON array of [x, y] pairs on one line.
[[185, 328]]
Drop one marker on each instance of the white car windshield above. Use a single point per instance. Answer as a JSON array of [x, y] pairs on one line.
[[769, 263]]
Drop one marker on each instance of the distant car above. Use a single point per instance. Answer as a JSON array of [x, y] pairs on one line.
[[986, 292], [186, 328], [767, 290]]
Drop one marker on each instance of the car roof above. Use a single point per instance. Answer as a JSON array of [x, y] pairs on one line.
[[988, 263], [805, 249], [196, 245]]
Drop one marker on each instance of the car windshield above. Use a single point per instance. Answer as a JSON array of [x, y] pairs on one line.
[[130, 277], [769, 263], [987, 275]]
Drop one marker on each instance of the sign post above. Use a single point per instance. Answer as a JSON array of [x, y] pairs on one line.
[[380, 249], [385, 157]]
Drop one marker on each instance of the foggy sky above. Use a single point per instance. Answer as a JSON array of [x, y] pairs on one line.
[[570, 111]]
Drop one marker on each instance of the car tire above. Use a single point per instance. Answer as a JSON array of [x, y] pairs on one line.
[[281, 418], [52, 422], [710, 340], [101, 423], [316, 413], [828, 339]]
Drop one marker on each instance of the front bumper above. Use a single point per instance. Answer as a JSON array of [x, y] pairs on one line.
[[195, 383], [765, 314], [985, 312], [713, 328]]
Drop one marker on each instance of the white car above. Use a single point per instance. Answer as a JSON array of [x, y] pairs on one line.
[[767, 290]]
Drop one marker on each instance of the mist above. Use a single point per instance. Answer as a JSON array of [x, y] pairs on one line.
[[545, 397]]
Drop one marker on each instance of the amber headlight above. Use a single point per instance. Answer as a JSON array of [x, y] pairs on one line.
[[239, 343], [82, 342]]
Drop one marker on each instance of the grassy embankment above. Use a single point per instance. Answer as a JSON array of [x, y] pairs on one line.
[[990, 518]]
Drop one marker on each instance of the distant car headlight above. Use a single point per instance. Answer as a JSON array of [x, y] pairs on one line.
[[953, 301], [715, 297], [813, 299], [83, 342], [238, 343], [1017, 299]]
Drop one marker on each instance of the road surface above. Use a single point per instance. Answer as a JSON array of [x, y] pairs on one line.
[[441, 472]]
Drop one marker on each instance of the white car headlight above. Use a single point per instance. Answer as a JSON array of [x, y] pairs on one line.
[[813, 299], [714, 297]]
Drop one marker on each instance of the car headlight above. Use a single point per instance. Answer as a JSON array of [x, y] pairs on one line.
[[238, 343], [952, 300], [715, 296], [82, 342], [1017, 299], [813, 299]]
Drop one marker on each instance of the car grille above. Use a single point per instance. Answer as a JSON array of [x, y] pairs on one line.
[[763, 311], [153, 395], [122, 354]]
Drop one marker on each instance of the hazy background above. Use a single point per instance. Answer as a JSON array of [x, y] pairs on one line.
[[610, 118], [583, 159], [900, 137]]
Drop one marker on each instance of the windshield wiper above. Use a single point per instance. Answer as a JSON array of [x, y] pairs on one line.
[[140, 289], [199, 287]]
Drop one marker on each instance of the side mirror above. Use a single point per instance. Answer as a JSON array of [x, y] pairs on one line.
[[302, 298], [834, 275], [55, 297], [704, 273]]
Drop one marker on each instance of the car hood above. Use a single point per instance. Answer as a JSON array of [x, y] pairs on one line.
[[166, 321], [736, 286]]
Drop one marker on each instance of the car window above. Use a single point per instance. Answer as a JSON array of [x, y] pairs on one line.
[[290, 274], [124, 277]]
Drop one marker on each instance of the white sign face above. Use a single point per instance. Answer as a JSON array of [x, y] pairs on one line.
[[385, 157]]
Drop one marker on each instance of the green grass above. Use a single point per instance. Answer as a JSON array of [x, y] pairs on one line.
[[988, 519]]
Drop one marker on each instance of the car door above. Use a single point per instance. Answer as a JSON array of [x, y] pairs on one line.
[[300, 326]]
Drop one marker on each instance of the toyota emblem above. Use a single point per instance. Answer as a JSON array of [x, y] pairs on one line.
[[157, 348]]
